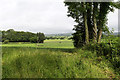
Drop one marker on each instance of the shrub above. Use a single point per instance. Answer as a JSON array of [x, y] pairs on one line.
[[33, 40], [40, 37], [6, 41]]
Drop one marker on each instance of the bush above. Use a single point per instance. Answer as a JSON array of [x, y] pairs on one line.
[[40, 37], [33, 40], [6, 42]]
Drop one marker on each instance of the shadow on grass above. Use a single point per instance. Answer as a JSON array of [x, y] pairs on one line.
[[68, 50]]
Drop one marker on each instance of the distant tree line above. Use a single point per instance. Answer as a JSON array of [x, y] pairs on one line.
[[21, 36], [59, 37]]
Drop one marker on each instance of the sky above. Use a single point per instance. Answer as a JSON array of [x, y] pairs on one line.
[[47, 16]]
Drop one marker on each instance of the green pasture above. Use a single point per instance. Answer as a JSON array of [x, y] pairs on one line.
[[53, 59], [46, 44], [51, 63]]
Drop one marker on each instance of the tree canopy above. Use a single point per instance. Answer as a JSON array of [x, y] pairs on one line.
[[21, 36], [91, 19]]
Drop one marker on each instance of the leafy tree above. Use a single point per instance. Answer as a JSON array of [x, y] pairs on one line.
[[75, 10], [40, 37], [91, 19], [105, 8], [20, 36], [85, 22], [95, 13], [33, 39]]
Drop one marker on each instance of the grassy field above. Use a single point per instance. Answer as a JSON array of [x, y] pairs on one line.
[[48, 44], [53, 59]]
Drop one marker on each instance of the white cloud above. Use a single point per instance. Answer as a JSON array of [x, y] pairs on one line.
[[113, 20]]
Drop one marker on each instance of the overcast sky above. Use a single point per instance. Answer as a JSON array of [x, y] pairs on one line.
[[47, 16]]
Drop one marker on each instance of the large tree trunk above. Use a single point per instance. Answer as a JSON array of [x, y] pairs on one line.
[[89, 21], [86, 25], [99, 35], [104, 7], [94, 31], [86, 30], [95, 6]]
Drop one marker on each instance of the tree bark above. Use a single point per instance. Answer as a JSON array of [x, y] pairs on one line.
[[86, 30], [95, 6], [86, 25], [99, 35], [89, 21]]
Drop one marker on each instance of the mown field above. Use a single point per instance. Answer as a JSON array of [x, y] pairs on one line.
[[47, 44], [53, 59]]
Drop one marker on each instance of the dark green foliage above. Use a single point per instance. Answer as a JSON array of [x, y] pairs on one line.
[[56, 37], [62, 38], [40, 37], [79, 36], [21, 36], [75, 10], [91, 19], [33, 39], [109, 51]]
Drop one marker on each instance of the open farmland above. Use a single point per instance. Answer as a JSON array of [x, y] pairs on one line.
[[53, 59]]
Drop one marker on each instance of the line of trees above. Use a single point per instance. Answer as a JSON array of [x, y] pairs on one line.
[[59, 37], [21, 36], [91, 19]]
